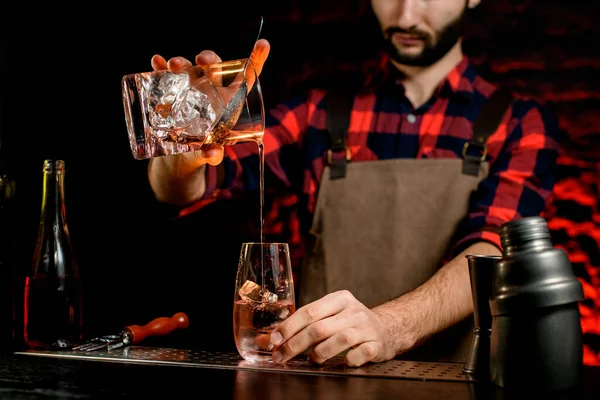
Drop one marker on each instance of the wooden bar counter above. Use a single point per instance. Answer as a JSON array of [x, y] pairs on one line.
[[170, 373]]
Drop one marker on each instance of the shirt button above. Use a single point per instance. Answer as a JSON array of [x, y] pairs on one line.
[[411, 118]]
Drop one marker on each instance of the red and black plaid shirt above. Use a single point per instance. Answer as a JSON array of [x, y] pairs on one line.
[[383, 125]]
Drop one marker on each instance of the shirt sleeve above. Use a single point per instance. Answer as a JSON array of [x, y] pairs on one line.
[[239, 171], [521, 175]]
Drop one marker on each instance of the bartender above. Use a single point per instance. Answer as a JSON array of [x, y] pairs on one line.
[[386, 185]]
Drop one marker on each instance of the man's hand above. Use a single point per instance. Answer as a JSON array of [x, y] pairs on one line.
[[333, 324], [214, 154], [338, 321], [179, 179]]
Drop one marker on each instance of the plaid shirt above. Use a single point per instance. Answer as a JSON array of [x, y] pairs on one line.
[[383, 125]]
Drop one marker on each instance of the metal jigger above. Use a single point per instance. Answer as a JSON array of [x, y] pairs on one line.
[[481, 269]]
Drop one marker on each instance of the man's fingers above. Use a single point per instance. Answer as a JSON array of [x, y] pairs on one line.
[[362, 354], [207, 57], [336, 344], [330, 336], [213, 155], [158, 63], [324, 307], [349, 329], [314, 323], [177, 64]]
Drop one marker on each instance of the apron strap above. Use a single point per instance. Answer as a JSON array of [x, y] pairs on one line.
[[490, 116], [339, 106]]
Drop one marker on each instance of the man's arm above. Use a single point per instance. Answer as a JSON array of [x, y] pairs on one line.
[[439, 303]]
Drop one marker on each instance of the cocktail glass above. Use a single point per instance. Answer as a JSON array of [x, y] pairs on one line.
[[264, 297]]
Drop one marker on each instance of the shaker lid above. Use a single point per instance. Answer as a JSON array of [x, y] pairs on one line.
[[536, 280]]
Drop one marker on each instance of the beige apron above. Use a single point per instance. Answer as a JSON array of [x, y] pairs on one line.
[[385, 229]]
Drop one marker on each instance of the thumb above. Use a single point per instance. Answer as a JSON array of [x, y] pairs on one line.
[[259, 54]]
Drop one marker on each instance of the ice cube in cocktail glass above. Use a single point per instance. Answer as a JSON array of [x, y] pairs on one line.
[[172, 113], [264, 297]]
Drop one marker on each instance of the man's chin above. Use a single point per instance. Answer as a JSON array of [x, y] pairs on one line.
[[409, 59], [410, 54]]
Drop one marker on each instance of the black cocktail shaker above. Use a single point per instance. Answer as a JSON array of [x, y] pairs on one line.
[[536, 338]]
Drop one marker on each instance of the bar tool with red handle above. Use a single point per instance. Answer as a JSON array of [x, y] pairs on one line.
[[134, 334]]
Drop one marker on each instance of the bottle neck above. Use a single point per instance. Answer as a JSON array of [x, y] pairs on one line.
[[52, 196], [53, 237]]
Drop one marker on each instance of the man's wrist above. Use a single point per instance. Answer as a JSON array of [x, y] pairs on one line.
[[401, 322], [435, 305]]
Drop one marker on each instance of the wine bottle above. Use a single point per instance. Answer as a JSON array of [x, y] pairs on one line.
[[53, 292]]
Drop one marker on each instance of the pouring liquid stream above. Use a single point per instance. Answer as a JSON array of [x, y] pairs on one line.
[[261, 166], [261, 188]]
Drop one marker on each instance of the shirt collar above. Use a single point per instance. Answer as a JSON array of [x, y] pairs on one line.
[[459, 80]]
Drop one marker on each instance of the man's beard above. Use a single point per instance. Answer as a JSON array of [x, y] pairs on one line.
[[432, 52]]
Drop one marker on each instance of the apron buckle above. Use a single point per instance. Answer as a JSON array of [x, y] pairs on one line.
[[330, 155], [483, 150]]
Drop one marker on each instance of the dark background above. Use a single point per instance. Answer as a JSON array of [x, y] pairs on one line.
[[61, 93]]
